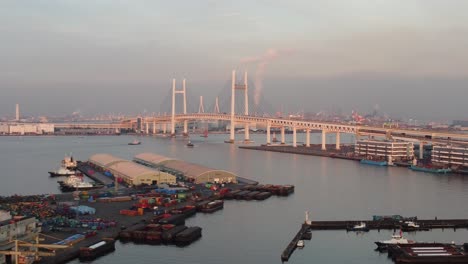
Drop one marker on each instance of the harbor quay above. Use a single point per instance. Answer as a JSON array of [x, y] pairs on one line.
[[86, 224]]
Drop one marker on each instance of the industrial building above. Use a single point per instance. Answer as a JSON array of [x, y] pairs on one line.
[[448, 154], [26, 129], [385, 150], [130, 172], [195, 172], [20, 228]]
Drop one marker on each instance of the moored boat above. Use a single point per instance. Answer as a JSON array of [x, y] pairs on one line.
[[300, 244], [62, 171], [374, 162], [76, 183], [396, 239], [69, 163], [97, 249], [188, 235], [213, 206], [190, 144], [359, 227], [430, 169]]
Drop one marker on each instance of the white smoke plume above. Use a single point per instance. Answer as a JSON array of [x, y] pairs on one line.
[[262, 62]]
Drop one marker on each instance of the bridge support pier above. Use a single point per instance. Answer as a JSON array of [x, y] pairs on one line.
[[307, 137], [337, 140], [232, 133], [154, 127], [324, 140], [283, 141], [146, 128], [185, 128], [268, 134], [294, 137], [164, 128], [247, 133]]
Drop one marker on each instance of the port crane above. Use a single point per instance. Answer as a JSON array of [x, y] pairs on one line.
[[17, 253]]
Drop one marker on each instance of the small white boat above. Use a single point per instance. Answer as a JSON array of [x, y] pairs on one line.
[[62, 171], [190, 144], [135, 142], [300, 243], [69, 163], [359, 227], [411, 224]]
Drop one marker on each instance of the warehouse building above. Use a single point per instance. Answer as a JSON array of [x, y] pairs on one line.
[[130, 172], [386, 150], [197, 173]]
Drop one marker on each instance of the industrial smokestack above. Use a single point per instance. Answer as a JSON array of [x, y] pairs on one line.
[[17, 113]]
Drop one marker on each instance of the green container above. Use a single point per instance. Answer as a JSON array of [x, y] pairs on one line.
[[181, 195]]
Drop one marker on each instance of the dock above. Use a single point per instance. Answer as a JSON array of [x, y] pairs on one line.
[[293, 244], [96, 176], [313, 150], [389, 225]]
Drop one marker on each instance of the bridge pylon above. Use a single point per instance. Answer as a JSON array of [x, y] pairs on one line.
[[238, 86], [174, 92]]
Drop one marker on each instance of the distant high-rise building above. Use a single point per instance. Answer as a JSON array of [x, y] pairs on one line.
[[17, 113]]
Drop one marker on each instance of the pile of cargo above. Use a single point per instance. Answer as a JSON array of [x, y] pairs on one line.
[[60, 222], [114, 199], [209, 206]]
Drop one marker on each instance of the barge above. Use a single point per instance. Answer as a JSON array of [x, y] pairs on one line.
[[262, 196], [173, 219], [169, 235], [213, 206], [98, 249], [188, 235], [429, 253], [430, 170], [374, 162]]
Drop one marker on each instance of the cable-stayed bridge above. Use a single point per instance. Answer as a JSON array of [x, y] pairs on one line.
[[241, 113]]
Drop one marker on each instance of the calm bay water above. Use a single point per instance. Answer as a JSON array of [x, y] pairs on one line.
[[257, 232]]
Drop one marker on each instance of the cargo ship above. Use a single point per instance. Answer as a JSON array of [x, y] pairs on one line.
[[98, 249], [396, 239], [374, 162], [430, 169]]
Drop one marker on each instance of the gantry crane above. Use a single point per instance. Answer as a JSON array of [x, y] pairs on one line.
[[36, 253]]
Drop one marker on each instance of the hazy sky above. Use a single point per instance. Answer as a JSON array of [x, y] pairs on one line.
[[102, 56]]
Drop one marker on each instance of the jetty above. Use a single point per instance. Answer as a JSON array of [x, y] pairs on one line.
[[390, 224]]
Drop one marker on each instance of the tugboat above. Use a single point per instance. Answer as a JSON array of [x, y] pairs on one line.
[[190, 144], [362, 227], [76, 183], [62, 171], [396, 239], [69, 163], [135, 142]]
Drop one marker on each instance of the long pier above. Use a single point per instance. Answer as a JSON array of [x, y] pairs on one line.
[[293, 244], [389, 224]]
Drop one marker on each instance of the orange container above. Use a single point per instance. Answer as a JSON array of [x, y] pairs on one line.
[[140, 211]]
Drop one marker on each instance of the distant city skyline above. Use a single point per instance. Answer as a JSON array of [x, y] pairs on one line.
[[408, 57]]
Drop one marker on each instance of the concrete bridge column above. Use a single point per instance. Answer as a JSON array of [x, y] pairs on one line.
[[294, 137], [232, 131], [268, 134], [283, 141], [247, 133], [307, 137], [185, 128], [164, 128], [324, 140], [146, 128], [421, 150], [154, 127], [337, 140]]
